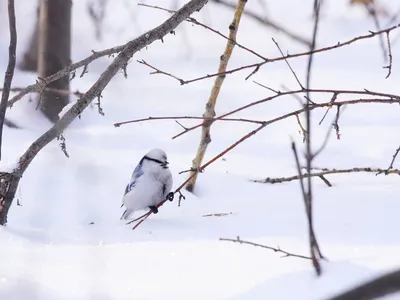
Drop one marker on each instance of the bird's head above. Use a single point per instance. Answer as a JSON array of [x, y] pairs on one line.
[[157, 156]]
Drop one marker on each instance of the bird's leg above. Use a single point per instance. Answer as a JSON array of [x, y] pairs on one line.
[[153, 209], [170, 196]]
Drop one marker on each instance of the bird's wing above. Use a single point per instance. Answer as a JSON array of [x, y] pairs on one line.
[[137, 173]]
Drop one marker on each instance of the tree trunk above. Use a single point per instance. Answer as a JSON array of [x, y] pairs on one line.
[[54, 45], [30, 59]]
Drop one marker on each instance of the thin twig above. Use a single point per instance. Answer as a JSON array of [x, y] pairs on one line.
[[158, 71], [325, 172], [293, 72], [10, 67], [266, 87], [392, 162], [316, 254], [186, 118], [274, 120], [389, 66], [336, 122], [334, 97], [372, 12], [42, 83], [303, 131], [52, 90], [277, 249]]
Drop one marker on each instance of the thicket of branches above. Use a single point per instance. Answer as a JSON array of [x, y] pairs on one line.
[[339, 99]]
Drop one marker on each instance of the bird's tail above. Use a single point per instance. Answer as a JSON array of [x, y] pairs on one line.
[[127, 213]]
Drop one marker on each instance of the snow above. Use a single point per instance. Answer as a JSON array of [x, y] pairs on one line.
[[66, 108], [66, 240]]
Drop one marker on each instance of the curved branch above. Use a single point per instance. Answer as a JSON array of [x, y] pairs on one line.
[[301, 91], [257, 66]]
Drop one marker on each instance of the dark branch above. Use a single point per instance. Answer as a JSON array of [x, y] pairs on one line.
[[373, 289], [10, 68]]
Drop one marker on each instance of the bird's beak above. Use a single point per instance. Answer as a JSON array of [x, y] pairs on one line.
[[165, 164]]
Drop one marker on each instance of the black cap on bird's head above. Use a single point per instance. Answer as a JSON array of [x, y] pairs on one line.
[[157, 155]]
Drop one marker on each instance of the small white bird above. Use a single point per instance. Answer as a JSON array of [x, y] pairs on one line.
[[150, 184]]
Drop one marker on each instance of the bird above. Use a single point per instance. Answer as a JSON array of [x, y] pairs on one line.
[[150, 184]]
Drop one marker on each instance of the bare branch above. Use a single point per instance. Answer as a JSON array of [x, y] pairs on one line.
[[325, 172], [316, 254], [289, 56], [41, 84], [392, 162], [10, 67], [277, 249], [293, 72], [389, 67], [158, 71]]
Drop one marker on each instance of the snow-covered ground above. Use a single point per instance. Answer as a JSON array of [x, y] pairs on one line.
[[66, 240]]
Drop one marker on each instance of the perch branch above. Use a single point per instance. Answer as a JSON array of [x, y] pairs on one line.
[[277, 249], [142, 218], [209, 114], [10, 67]]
